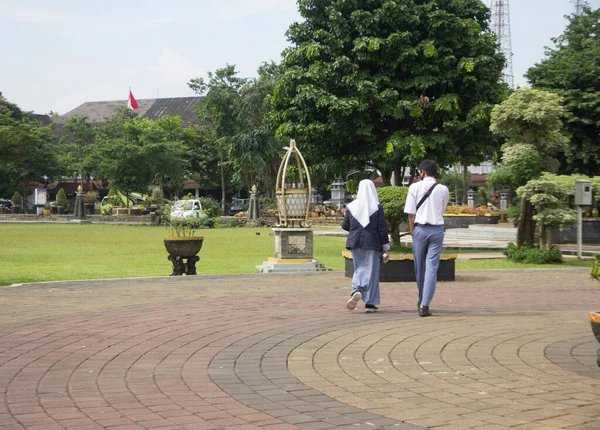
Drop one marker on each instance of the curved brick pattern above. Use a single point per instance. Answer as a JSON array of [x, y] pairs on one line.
[[577, 354], [473, 372], [255, 372], [215, 352]]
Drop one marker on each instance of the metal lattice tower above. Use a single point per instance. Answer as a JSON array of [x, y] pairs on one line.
[[501, 26], [578, 6]]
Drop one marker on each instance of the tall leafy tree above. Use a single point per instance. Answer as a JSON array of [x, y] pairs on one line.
[[572, 70], [218, 111], [254, 150], [531, 122], [27, 147], [389, 82], [133, 153], [77, 145]]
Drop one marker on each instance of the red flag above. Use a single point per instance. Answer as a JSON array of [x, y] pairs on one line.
[[132, 103]]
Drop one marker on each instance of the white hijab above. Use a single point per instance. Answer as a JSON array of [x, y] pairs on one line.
[[366, 202]]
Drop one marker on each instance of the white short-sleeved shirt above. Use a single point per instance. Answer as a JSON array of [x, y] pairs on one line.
[[432, 210]]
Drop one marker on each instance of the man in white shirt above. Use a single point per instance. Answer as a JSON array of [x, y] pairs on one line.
[[425, 205]]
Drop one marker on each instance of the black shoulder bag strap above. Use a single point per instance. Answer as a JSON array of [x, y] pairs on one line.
[[425, 196]]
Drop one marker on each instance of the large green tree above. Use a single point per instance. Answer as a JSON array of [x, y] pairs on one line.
[[531, 122], [27, 149], [77, 145], [254, 150], [572, 69], [133, 153], [389, 82], [218, 111]]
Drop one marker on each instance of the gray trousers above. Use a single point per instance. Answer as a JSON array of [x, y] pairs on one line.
[[427, 248], [366, 275]]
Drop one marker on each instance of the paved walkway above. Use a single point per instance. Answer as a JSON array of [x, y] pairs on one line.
[[504, 349]]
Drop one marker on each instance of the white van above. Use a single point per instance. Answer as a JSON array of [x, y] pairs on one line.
[[187, 209]]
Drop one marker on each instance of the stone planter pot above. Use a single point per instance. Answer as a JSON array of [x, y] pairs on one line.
[[595, 322], [183, 248]]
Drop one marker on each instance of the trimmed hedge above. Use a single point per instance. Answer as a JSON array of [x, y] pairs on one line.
[[533, 254]]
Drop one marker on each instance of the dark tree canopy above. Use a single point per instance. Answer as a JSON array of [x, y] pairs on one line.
[[389, 82], [572, 69], [27, 149]]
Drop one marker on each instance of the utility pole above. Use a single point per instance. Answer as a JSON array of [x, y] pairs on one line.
[[501, 27], [579, 6]]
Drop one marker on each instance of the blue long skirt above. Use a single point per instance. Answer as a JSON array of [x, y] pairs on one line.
[[366, 275]]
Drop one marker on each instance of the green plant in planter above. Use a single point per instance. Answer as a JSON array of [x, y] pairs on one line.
[[513, 213], [61, 198], [185, 227], [17, 202]]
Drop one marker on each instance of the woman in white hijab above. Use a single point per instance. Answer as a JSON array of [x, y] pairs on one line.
[[369, 242]]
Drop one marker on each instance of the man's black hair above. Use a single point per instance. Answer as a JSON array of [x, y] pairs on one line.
[[429, 167]]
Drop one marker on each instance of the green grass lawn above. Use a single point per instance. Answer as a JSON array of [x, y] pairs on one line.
[[50, 252]]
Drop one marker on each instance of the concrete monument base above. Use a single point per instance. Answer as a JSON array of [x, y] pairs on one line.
[[291, 265]]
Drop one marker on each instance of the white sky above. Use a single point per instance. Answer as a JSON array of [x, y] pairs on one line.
[[59, 54]]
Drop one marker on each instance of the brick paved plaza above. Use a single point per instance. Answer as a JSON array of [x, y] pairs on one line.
[[504, 349]]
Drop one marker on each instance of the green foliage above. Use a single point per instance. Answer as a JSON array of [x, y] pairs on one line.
[[566, 183], [221, 98], [90, 197], [61, 198], [133, 153], [455, 182], [77, 146], [571, 70], [352, 186], [530, 121], [17, 199], [210, 207], [185, 227], [27, 148], [392, 200], [533, 255], [513, 213], [550, 203], [595, 270], [387, 83]]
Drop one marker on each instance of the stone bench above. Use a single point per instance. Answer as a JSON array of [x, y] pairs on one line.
[[401, 268]]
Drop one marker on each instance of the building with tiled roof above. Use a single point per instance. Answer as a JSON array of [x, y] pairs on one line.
[[97, 112]]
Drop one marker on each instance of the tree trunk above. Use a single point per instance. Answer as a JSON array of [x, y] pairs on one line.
[[395, 234], [526, 229], [25, 192], [542, 240], [398, 175], [222, 187], [465, 173]]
